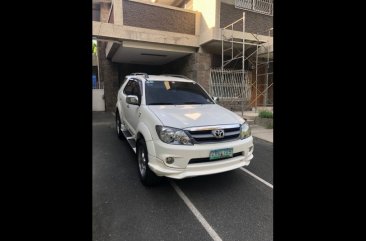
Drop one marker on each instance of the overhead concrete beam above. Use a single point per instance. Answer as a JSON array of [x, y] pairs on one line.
[[115, 32], [215, 34], [111, 48], [248, 36], [161, 47]]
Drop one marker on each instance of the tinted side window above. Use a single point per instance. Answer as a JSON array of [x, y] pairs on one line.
[[136, 89], [132, 88], [129, 87]]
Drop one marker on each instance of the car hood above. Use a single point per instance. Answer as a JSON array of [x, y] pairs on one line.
[[183, 116]]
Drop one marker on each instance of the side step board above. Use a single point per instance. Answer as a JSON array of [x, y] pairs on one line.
[[131, 141]]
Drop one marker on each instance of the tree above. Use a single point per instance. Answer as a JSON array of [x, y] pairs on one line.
[[94, 46]]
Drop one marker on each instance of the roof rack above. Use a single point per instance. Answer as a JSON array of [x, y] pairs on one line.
[[177, 75], [144, 74]]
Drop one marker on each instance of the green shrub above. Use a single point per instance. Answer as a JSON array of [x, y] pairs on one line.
[[265, 114], [269, 126]]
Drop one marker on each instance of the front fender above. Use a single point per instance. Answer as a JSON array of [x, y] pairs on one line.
[[143, 130], [119, 108]]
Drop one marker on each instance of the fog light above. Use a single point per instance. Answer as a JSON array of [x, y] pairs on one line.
[[169, 160], [250, 148]]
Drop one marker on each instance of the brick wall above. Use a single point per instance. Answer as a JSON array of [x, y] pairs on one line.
[[111, 16], [195, 66], [181, 66], [104, 12], [254, 22], [96, 14], [203, 64], [154, 17]]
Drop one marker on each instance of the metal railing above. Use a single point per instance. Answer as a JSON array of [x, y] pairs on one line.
[[259, 6], [231, 86]]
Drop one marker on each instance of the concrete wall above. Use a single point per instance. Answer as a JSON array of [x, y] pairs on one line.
[[154, 17], [94, 60], [189, 4], [209, 20], [255, 22], [98, 100]]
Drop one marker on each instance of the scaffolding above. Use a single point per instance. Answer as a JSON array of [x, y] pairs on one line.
[[238, 88], [262, 84], [229, 83]]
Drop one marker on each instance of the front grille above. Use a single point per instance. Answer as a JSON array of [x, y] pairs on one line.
[[200, 160], [206, 136]]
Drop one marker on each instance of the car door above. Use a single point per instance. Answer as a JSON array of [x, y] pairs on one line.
[[121, 98], [131, 112], [126, 90]]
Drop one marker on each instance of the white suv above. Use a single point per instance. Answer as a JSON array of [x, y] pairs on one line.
[[177, 129]]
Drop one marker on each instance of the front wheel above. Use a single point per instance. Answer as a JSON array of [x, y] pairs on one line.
[[148, 177], [118, 126]]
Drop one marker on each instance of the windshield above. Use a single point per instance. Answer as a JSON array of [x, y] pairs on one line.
[[175, 93]]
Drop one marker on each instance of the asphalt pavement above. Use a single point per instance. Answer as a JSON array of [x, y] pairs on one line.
[[235, 204]]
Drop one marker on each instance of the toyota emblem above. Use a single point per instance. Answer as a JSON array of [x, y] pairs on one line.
[[218, 133]]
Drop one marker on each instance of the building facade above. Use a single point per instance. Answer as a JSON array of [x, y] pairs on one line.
[[183, 37]]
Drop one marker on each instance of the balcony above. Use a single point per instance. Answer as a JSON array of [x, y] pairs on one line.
[[259, 15], [258, 6]]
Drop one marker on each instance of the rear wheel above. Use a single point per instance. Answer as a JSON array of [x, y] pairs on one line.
[[148, 177]]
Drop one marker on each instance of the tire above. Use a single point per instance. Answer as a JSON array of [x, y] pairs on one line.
[[118, 126], [147, 177]]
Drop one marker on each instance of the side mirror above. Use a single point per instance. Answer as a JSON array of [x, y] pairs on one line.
[[132, 99]]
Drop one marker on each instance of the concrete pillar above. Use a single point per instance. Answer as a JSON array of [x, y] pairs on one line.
[[109, 77], [118, 12], [202, 69]]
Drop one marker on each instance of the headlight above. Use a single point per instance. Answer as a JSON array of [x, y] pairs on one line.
[[245, 131], [173, 136]]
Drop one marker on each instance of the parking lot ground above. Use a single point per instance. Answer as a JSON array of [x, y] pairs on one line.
[[235, 204]]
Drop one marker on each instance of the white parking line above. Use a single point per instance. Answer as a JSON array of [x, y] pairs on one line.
[[196, 213], [256, 177]]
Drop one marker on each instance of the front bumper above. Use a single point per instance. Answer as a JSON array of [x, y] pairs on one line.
[[183, 154]]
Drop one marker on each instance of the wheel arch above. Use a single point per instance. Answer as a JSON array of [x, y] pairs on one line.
[[144, 133]]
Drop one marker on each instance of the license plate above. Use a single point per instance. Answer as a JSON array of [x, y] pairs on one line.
[[222, 153]]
